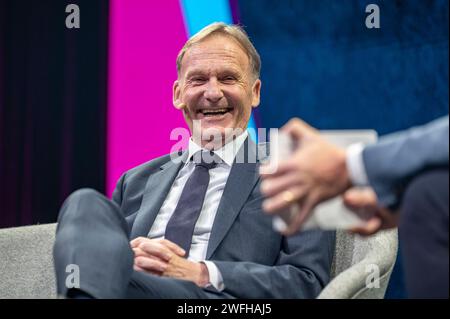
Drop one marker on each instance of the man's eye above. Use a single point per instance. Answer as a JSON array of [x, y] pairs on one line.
[[228, 79], [198, 80]]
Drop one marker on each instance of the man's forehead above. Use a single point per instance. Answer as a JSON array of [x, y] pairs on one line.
[[224, 48]]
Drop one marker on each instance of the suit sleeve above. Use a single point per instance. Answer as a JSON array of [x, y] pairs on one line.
[[390, 163], [118, 191], [301, 271]]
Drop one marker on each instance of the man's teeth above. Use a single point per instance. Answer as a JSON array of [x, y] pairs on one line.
[[214, 111]]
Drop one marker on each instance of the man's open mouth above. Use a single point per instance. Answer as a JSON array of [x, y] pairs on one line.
[[215, 112]]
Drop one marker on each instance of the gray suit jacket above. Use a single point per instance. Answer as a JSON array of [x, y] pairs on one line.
[[397, 157], [254, 260]]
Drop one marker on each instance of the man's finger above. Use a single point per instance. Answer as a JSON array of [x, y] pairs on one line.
[[306, 208], [269, 170], [298, 128], [137, 268], [137, 241], [369, 228], [173, 247], [283, 200], [156, 249], [150, 264], [139, 252], [274, 186], [360, 198]]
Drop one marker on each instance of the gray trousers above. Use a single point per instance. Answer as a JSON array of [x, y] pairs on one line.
[[93, 235]]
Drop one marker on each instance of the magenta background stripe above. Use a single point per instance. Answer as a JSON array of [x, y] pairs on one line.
[[145, 37]]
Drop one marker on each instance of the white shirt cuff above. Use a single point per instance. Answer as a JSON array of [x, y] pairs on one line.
[[355, 165], [215, 277]]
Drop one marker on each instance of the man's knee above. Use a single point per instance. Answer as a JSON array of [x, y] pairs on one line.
[[87, 194], [85, 200]]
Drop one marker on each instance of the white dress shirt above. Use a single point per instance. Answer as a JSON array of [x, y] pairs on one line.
[[202, 231], [355, 165]]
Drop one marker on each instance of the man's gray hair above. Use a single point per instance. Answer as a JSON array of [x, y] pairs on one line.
[[232, 30]]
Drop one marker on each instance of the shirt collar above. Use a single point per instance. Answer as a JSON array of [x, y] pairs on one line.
[[227, 153]]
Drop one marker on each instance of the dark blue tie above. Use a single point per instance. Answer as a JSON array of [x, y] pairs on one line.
[[180, 227]]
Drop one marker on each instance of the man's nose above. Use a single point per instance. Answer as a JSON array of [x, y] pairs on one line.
[[213, 91]]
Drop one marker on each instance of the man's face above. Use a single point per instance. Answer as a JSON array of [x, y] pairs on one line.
[[215, 86]]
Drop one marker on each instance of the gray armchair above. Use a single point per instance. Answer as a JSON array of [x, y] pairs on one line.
[[26, 264], [357, 260]]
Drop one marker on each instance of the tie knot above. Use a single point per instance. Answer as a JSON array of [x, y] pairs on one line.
[[206, 159]]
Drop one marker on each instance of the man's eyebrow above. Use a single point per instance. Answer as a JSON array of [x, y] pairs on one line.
[[195, 72], [229, 70]]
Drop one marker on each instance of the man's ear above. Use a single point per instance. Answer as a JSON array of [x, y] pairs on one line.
[[179, 105], [256, 92]]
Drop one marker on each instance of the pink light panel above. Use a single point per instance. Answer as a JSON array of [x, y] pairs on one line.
[[145, 37]]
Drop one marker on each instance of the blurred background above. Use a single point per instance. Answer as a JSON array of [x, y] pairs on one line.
[[80, 106]]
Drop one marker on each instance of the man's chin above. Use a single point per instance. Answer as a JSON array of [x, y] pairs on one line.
[[215, 137]]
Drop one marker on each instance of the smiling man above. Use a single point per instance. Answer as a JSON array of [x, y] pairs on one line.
[[188, 227], [218, 84]]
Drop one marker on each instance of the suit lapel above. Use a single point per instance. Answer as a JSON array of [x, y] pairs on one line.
[[242, 178], [156, 189]]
